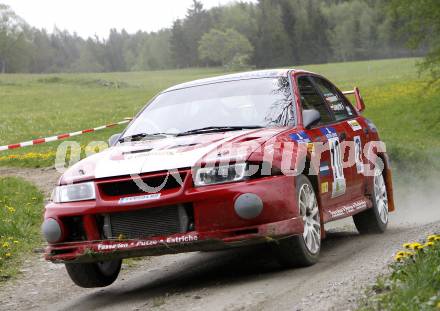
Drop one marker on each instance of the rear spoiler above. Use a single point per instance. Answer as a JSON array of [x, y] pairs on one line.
[[360, 105], [348, 92]]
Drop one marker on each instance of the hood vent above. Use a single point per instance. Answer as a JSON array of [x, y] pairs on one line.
[[137, 151]]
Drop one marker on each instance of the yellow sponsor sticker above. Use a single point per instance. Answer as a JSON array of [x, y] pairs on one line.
[[324, 187], [310, 147], [355, 126]]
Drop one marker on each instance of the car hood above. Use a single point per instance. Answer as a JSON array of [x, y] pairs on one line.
[[169, 153]]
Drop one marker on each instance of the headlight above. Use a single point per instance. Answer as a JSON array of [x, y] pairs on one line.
[[76, 192], [220, 174]]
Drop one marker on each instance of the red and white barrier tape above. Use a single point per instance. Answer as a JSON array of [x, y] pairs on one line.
[[59, 137]]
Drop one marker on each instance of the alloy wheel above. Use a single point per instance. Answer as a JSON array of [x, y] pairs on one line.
[[309, 211]]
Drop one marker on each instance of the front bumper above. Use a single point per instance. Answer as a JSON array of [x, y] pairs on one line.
[[92, 251], [216, 224]]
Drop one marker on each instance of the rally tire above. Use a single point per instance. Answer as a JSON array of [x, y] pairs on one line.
[[97, 274], [297, 251], [375, 219]]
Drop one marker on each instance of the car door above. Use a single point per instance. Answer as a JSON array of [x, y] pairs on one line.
[[334, 180], [349, 123]]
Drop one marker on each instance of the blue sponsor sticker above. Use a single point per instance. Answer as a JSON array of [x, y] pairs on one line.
[[329, 132], [300, 137], [324, 168], [371, 126]]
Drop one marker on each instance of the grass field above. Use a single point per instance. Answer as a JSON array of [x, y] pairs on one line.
[[21, 206], [33, 106], [414, 283]]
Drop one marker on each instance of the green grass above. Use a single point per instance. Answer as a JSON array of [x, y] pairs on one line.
[[32, 106], [412, 285], [21, 206]]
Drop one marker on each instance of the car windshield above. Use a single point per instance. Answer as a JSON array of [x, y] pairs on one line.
[[263, 102]]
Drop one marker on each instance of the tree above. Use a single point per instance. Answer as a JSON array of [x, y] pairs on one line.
[[222, 47], [13, 47], [115, 47], [272, 48], [268, 33], [423, 26], [179, 45], [187, 33]]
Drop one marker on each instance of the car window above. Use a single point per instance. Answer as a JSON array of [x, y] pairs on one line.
[[338, 105], [311, 99]]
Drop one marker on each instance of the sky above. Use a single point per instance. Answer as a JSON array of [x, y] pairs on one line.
[[90, 17]]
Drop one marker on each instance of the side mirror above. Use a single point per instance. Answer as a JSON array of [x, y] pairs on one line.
[[113, 139], [360, 105], [310, 117]]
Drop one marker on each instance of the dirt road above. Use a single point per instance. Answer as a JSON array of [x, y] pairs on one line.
[[242, 279]]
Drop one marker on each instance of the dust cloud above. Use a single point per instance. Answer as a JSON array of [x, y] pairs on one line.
[[417, 200]]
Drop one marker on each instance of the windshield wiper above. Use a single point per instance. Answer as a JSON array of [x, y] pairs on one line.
[[213, 129], [140, 136]]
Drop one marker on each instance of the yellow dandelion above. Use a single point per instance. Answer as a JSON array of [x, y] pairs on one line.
[[7, 255], [5, 245], [11, 210], [407, 245], [420, 248], [399, 258], [415, 246], [432, 238], [409, 254], [16, 242], [428, 244]]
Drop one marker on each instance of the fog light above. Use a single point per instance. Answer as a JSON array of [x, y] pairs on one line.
[[51, 230], [248, 206]]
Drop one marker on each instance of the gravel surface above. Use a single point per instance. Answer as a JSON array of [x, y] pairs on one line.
[[241, 279]]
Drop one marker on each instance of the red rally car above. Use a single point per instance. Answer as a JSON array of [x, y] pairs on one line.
[[265, 156]]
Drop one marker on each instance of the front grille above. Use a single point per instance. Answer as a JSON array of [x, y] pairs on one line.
[[129, 186], [149, 222]]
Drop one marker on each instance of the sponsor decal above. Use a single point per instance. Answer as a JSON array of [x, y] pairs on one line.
[[187, 238], [324, 187], [338, 107], [332, 98], [310, 147], [355, 126], [348, 209], [105, 247], [139, 198], [329, 132], [148, 153], [338, 184], [300, 137], [358, 154], [324, 169]]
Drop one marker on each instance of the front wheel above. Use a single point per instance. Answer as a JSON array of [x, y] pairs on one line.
[[96, 274], [374, 220], [303, 250]]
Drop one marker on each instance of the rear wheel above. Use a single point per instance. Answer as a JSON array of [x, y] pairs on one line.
[[375, 220], [303, 250], [97, 274]]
